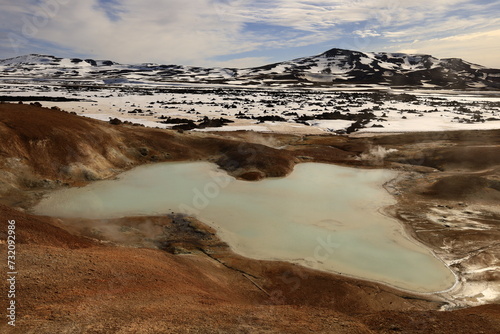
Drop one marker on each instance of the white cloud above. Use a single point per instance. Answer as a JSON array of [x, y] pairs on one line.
[[243, 62], [446, 26], [481, 47], [195, 32], [366, 33], [312, 14], [149, 30]]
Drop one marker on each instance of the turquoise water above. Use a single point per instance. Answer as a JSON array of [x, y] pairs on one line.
[[322, 216]]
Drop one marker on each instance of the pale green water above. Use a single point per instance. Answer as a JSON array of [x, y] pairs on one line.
[[322, 216]]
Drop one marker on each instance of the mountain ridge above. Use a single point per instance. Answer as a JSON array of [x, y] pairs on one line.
[[330, 68]]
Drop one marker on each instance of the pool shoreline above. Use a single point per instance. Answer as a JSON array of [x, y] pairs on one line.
[[408, 245]]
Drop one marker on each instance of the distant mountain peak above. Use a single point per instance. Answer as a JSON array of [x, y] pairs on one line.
[[48, 60], [31, 58], [333, 67], [337, 52]]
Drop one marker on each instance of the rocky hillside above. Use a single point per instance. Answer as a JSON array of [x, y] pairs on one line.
[[44, 148]]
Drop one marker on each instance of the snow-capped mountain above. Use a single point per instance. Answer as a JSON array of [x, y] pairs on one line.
[[51, 61], [394, 69], [333, 67]]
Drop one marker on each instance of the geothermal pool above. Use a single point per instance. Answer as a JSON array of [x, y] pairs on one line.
[[322, 216]]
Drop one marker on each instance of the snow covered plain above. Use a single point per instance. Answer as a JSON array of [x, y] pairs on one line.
[[342, 109]]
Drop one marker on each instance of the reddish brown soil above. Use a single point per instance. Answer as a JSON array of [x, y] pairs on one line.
[[69, 284], [70, 281]]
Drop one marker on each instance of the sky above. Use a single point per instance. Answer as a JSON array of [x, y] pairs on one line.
[[246, 33]]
